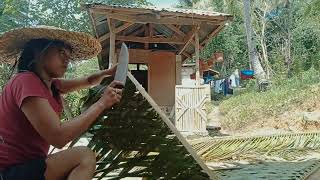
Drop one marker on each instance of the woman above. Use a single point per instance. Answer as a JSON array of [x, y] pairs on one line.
[[30, 105]]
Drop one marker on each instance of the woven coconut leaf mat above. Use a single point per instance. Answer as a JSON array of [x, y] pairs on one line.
[[278, 156], [271, 171], [134, 139]]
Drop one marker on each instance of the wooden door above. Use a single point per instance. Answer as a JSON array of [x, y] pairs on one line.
[[190, 113]]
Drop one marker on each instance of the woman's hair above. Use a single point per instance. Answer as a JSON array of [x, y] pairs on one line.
[[34, 48]]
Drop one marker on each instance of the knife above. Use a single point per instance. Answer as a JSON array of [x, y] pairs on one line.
[[122, 67]]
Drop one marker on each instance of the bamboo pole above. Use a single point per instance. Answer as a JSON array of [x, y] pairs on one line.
[[112, 49], [197, 49], [178, 69]]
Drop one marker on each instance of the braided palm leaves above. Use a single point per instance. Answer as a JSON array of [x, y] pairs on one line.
[[286, 146], [283, 156], [131, 140]]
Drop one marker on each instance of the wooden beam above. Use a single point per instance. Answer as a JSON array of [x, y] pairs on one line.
[[123, 27], [183, 53], [176, 30], [178, 69], [212, 34], [151, 30], [187, 55], [149, 40], [188, 39], [94, 24], [146, 34], [111, 25], [135, 33], [112, 58], [197, 49], [140, 56], [117, 30]]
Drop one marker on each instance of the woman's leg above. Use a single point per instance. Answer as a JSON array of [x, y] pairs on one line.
[[76, 163]]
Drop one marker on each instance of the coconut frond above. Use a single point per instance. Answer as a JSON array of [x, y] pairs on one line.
[[271, 171], [283, 156], [132, 140], [286, 146]]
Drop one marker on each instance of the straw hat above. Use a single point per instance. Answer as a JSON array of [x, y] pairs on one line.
[[84, 46]]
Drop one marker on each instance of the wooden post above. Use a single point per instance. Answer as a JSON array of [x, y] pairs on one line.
[[146, 34], [178, 69], [197, 49], [112, 48]]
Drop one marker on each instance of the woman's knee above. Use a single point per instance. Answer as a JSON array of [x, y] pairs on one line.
[[87, 155], [62, 163]]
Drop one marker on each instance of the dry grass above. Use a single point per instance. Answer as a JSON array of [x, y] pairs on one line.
[[279, 108]]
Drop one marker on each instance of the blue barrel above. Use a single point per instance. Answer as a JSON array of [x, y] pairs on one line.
[[247, 72]]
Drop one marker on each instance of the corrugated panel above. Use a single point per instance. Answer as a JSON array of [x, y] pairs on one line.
[[133, 28], [163, 30], [174, 10], [185, 29]]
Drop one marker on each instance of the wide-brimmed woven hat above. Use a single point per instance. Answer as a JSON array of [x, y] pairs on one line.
[[83, 45]]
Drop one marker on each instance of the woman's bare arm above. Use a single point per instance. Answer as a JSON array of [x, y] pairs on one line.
[[47, 123], [69, 85]]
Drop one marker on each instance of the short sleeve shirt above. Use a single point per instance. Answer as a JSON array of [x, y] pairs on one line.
[[21, 142]]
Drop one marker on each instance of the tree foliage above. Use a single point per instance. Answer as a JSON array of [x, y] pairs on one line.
[[63, 14], [290, 35], [286, 31], [13, 13]]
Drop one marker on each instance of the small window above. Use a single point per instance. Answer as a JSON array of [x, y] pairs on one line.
[[133, 67], [143, 67], [139, 67]]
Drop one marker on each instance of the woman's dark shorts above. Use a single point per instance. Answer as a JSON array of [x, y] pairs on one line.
[[33, 170]]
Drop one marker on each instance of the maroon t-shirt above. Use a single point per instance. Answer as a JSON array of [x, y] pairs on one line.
[[21, 142]]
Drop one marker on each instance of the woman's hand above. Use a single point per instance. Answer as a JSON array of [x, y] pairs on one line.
[[96, 78], [111, 71], [111, 95]]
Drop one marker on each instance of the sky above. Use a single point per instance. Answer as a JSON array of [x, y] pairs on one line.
[[164, 3]]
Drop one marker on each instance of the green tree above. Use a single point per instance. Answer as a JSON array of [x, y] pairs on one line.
[[63, 14], [5, 71], [13, 14], [286, 35]]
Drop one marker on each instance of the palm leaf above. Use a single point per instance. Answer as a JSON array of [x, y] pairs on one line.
[[271, 171], [132, 140], [282, 156], [286, 146]]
